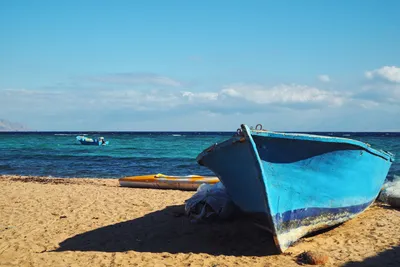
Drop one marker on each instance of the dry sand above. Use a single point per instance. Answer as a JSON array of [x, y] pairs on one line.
[[92, 222]]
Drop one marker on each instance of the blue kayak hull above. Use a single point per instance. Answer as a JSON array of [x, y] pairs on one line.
[[296, 183]]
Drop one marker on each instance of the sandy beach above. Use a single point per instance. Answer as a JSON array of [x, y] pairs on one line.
[[94, 222]]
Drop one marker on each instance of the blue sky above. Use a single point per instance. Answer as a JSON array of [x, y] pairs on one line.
[[204, 65]]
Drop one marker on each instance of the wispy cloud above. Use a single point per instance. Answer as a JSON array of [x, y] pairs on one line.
[[380, 93], [136, 78], [235, 97], [200, 97], [386, 88], [124, 104], [26, 92], [324, 78], [284, 94], [243, 98], [389, 73]]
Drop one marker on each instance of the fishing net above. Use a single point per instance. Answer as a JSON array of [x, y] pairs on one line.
[[390, 193], [210, 202]]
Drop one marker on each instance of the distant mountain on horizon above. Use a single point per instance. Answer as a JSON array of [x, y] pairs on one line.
[[8, 126]]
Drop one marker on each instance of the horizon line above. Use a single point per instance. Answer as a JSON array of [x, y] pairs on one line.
[[176, 131]]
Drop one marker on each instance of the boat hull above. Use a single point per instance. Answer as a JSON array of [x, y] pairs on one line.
[[90, 141], [94, 143], [297, 184]]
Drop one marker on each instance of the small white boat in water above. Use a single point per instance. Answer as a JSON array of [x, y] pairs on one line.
[[92, 141]]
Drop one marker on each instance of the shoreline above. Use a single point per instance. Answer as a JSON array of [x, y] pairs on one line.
[[50, 221], [109, 181]]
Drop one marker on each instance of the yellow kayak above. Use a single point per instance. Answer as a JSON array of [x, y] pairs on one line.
[[161, 181]]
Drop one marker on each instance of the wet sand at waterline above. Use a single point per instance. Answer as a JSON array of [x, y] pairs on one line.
[[94, 222]]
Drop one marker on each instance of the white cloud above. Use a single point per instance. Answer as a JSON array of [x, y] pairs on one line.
[[284, 94], [25, 92], [138, 100], [124, 107], [136, 78], [380, 93], [367, 104], [324, 78], [207, 96], [231, 97], [389, 73]]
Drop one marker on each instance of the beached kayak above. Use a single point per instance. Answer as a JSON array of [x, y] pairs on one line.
[[161, 181]]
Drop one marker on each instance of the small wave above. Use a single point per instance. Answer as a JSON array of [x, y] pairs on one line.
[[128, 148], [5, 167], [176, 135], [347, 135], [62, 134]]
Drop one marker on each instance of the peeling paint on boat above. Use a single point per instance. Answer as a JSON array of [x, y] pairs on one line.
[[301, 183]]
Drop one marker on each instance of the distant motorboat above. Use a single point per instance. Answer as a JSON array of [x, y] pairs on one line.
[[91, 141]]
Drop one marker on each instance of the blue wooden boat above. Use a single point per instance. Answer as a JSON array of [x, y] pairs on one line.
[[92, 141], [297, 184]]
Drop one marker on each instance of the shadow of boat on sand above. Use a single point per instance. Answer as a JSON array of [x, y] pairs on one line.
[[169, 230], [390, 257]]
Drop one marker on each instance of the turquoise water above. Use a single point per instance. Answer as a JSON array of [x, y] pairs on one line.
[[61, 155]]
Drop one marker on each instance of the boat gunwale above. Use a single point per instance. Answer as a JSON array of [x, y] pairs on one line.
[[321, 138], [307, 137]]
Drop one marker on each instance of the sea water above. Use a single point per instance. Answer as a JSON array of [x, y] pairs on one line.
[[59, 154]]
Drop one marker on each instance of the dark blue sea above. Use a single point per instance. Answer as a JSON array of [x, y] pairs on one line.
[[59, 154]]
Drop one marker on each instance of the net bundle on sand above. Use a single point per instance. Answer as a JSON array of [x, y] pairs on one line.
[[390, 193]]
